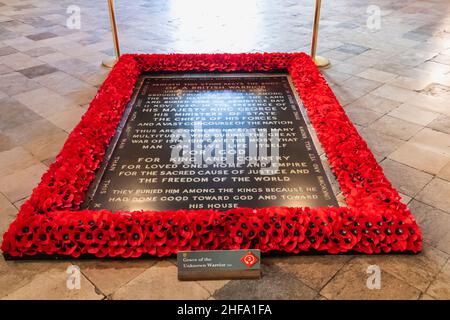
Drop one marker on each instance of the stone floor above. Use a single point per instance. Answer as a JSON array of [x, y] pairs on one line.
[[390, 70]]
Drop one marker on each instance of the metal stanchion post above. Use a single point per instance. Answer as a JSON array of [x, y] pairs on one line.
[[110, 62], [319, 61]]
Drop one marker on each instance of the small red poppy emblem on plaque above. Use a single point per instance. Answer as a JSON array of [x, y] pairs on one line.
[[249, 259]]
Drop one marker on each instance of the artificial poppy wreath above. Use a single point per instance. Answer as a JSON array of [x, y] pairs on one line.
[[50, 222]]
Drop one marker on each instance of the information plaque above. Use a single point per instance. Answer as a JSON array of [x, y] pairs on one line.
[[211, 142], [219, 264]]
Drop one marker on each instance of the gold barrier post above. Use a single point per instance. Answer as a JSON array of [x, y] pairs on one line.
[[319, 61], [109, 63]]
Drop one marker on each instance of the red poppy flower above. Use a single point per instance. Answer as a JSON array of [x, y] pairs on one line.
[[376, 221], [135, 236]]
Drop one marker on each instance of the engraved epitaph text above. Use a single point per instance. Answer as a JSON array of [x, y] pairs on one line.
[[140, 172]]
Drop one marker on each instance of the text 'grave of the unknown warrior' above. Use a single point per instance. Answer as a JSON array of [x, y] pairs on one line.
[[211, 142]]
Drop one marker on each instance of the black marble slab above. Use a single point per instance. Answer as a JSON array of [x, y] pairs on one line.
[[142, 171]]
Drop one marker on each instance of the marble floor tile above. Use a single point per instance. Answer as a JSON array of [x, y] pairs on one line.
[[405, 179], [4, 69], [431, 103], [8, 213], [395, 127], [434, 67], [440, 288], [352, 48], [45, 102], [15, 159], [267, 288], [436, 194], [314, 271], [360, 115], [18, 185], [442, 124], [437, 90], [52, 57], [21, 43], [414, 114], [108, 276], [381, 144], [425, 296], [334, 78], [52, 284], [160, 282], [62, 83], [377, 75], [213, 285], [37, 71], [13, 114], [445, 172], [5, 142], [15, 83], [375, 103], [19, 61], [346, 96], [6, 50], [67, 120], [404, 198], [428, 151], [348, 68], [361, 84], [433, 224], [415, 83], [351, 283], [41, 36], [394, 93], [337, 55], [418, 270], [40, 51], [12, 277], [41, 138], [420, 157], [82, 96], [362, 61], [434, 140], [442, 58]]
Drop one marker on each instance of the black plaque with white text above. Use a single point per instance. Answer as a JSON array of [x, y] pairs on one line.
[[211, 142]]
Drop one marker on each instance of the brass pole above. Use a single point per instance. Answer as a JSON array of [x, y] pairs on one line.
[[319, 61], [109, 63]]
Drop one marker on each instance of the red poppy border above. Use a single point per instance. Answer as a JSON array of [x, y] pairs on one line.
[[50, 222]]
